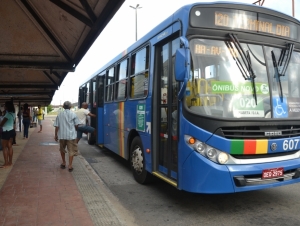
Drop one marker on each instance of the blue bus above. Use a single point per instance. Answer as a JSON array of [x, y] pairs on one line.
[[207, 101]]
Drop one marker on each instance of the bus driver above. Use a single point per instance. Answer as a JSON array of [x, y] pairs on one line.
[[82, 114]]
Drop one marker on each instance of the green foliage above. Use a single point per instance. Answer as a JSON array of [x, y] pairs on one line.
[[49, 108]]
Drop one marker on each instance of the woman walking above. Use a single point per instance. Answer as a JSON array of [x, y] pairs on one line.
[[8, 133], [26, 120]]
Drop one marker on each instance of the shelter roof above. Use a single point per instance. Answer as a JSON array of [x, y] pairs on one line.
[[42, 40]]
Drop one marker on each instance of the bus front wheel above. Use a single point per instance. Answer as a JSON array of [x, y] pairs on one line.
[[137, 161], [91, 139]]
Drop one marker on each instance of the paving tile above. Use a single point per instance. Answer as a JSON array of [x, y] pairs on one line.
[[36, 191]]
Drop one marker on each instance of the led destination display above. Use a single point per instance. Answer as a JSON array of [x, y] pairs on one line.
[[233, 19], [247, 22]]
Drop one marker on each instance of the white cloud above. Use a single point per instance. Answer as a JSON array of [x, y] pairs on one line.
[[120, 34]]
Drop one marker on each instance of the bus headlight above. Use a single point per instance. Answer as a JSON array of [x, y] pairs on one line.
[[200, 147], [207, 151], [211, 153], [223, 158]]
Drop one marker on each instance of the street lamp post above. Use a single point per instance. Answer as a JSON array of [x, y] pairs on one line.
[[293, 8], [136, 8]]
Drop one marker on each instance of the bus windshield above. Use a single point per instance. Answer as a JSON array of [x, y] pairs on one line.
[[224, 84]]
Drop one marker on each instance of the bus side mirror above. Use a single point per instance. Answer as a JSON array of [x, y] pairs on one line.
[[180, 65]]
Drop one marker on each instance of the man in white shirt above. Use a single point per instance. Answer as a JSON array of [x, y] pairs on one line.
[[65, 131], [82, 114]]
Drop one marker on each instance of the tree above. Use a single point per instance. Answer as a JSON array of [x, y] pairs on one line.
[[49, 108]]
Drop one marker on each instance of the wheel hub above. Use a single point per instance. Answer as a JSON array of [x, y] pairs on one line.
[[137, 160]]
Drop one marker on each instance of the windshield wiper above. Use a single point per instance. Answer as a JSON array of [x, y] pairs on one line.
[[285, 63], [276, 75], [290, 49], [238, 62], [252, 77], [247, 63]]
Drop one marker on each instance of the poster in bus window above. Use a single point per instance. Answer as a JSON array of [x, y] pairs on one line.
[[280, 107], [293, 107], [245, 106]]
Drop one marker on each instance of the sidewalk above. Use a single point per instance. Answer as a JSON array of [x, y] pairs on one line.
[[36, 191]]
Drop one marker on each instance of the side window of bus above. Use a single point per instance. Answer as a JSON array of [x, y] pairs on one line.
[[87, 94], [94, 103], [81, 98], [139, 73], [109, 88], [100, 90], [121, 83]]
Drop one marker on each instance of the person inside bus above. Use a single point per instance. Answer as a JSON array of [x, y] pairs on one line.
[[82, 114]]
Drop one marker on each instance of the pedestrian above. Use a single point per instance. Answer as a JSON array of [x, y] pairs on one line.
[[40, 114], [8, 133], [20, 118], [14, 143], [82, 114], [26, 120], [1, 117], [34, 115], [66, 124]]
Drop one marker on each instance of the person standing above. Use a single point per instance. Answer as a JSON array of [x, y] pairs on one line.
[[26, 120], [8, 133], [82, 114], [34, 115], [1, 117], [66, 124], [40, 113]]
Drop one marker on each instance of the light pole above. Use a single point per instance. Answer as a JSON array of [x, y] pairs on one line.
[[293, 8], [135, 8]]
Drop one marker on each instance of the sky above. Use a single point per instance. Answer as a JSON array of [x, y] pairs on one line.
[[119, 34]]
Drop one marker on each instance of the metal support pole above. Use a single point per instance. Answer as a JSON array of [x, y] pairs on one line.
[[136, 8], [293, 8]]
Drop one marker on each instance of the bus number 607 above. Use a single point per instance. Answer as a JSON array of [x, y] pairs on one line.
[[290, 144]]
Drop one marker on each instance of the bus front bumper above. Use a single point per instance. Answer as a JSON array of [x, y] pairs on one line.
[[201, 175]]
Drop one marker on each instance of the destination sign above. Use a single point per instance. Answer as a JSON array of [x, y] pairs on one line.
[[247, 22], [234, 19], [201, 49]]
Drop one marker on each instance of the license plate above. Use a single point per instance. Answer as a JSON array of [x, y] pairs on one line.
[[272, 173]]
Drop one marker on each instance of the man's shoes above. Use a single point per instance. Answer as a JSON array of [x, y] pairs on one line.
[[62, 166], [70, 169]]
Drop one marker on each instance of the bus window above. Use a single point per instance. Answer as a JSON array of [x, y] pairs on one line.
[[109, 90], [87, 94], [210, 71], [287, 86], [121, 84], [139, 71], [100, 90], [222, 89]]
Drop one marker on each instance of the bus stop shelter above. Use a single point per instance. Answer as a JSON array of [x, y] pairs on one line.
[[41, 41]]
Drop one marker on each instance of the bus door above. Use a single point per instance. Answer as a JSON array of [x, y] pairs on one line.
[[93, 109], [166, 129], [100, 111], [81, 97]]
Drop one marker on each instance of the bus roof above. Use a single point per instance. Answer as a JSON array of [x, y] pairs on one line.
[[175, 17]]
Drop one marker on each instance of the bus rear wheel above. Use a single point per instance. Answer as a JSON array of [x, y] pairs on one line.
[[137, 161]]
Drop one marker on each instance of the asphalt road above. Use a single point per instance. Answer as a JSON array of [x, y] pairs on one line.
[[161, 204]]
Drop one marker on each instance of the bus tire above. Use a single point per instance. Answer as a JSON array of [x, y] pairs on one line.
[[137, 162], [91, 139]]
